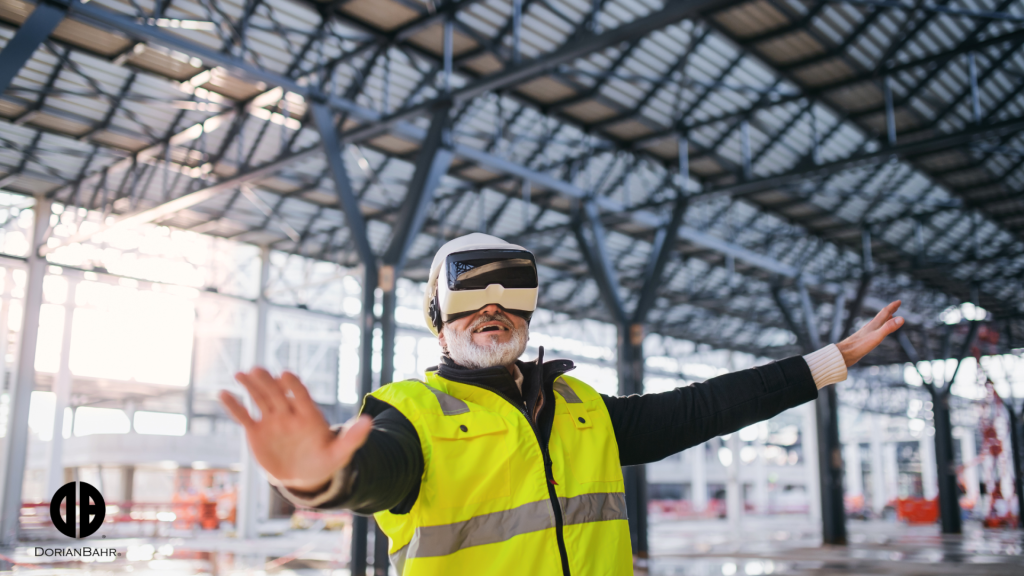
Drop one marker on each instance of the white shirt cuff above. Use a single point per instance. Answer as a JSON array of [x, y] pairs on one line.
[[313, 499], [827, 366]]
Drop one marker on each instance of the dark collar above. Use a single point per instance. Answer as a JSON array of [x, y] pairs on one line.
[[537, 376]]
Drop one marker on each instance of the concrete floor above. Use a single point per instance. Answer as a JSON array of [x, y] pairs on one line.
[[778, 545], [793, 546]]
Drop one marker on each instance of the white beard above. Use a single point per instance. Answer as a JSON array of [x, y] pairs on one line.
[[465, 352]]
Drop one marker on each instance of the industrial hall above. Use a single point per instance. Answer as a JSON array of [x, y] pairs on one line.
[[506, 287]]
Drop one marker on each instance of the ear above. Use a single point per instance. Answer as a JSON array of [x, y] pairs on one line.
[[441, 341]]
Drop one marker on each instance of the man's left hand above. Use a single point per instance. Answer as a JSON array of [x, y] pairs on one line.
[[870, 335]]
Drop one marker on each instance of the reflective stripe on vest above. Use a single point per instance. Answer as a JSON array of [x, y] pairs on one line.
[[447, 539], [450, 405], [562, 388]]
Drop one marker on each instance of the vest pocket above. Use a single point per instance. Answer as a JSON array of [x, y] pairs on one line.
[[589, 450], [470, 460]]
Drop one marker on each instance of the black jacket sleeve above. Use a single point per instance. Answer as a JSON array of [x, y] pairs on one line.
[[650, 427], [384, 473]]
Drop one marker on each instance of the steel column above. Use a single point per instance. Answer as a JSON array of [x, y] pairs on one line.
[[945, 464], [62, 391], [972, 67], [249, 477], [890, 112], [630, 358], [630, 365], [1016, 447], [949, 501], [21, 391], [830, 455], [33, 32], [323, 117], [360, 524]]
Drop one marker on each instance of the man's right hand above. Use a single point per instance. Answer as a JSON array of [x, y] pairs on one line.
[[292, 440]]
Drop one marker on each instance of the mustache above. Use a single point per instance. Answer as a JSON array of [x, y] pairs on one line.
[[496, 317]]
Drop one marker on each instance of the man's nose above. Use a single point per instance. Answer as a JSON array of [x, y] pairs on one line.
[[491, 309]]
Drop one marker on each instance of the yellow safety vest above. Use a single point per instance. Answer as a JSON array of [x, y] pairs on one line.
[[485, 507]]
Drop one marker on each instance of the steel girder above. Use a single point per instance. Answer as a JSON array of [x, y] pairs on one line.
[[43, 20], [712, 238]]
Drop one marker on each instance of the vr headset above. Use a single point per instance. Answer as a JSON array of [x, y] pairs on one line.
[[470, 280]]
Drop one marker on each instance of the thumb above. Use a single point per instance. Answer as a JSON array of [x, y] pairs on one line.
[[892, 325], [350, 439]]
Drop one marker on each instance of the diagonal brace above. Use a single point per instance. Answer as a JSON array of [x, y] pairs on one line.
[[432, 163], [35, 30], [323, 117]]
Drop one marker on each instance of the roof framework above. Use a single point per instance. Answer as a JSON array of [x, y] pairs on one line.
[[837, 154]]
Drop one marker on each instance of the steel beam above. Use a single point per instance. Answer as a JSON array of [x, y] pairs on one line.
[[910, 147], [406, 130], [21, 391], [32, 33], [583, 45]]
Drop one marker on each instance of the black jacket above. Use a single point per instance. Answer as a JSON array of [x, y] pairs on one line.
[[385, 473]]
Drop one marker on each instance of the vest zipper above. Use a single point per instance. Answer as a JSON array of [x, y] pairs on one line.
[[550, 477]]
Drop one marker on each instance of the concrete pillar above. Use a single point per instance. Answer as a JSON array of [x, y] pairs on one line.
[[5, 309], [250, 478], [129, 407], [854, 473], [699, 477], [969, 452], [878, 497], [929, 475], [733, 488], [62, 391], [760, 475], [21, 391], [891, 470], [127, 486], [809, 443]]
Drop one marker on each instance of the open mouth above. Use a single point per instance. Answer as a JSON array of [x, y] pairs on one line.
[[492, 328]]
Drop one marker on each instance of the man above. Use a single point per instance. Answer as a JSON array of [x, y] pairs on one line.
[[493, 465]]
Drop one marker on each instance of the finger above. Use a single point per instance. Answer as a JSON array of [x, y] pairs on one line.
[[236, 410], [303, 402], [351, 439], [257, 393], [892, 325], [271, 388], [883, 315]]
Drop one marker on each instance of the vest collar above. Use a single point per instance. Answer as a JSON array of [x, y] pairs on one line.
[[538, 376]]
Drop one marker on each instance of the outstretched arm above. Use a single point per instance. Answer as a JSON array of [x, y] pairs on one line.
[[367, 465], [650, 427]]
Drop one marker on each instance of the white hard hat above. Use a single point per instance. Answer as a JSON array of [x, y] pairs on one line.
[[491, 271]]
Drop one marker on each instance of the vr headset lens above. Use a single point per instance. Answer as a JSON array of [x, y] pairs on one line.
[[479, 269]]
